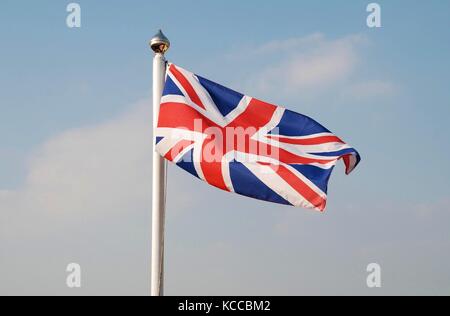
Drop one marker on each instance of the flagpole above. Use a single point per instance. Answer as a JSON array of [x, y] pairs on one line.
[[159, 44]]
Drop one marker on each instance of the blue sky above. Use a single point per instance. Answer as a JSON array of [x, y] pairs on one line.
[[74, 146]]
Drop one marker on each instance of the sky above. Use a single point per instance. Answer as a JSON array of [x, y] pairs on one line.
[[75, 148]]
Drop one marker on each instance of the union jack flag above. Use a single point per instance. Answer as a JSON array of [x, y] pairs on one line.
[[243, 145]]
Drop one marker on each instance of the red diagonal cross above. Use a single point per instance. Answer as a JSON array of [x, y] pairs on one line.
[[257, 115]]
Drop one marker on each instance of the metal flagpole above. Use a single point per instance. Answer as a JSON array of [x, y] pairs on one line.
[[159, 44]]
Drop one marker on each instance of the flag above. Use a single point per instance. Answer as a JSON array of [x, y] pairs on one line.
[[243, 145]]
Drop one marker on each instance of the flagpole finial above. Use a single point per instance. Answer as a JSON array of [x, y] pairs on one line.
[[160, 43]]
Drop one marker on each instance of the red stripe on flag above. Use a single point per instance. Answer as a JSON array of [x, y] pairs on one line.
[[298, 185], [308, 141], [257, 115], [346, 159], [280, 154], [212, 170], [187, 86], [182, 116]]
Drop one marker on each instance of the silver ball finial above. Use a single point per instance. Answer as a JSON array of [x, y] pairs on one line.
[[160, 43]]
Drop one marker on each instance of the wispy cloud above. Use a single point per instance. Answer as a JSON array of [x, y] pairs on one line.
[[94, 171], [304, 64], [309, 66], [86, 169]]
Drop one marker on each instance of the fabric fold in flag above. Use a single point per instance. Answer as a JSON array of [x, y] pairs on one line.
[[244, 145]]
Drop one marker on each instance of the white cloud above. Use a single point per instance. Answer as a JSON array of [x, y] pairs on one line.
[[303, 64], [99, 168], [87, 173], [310, 67], [90, 169], [4, 194]]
